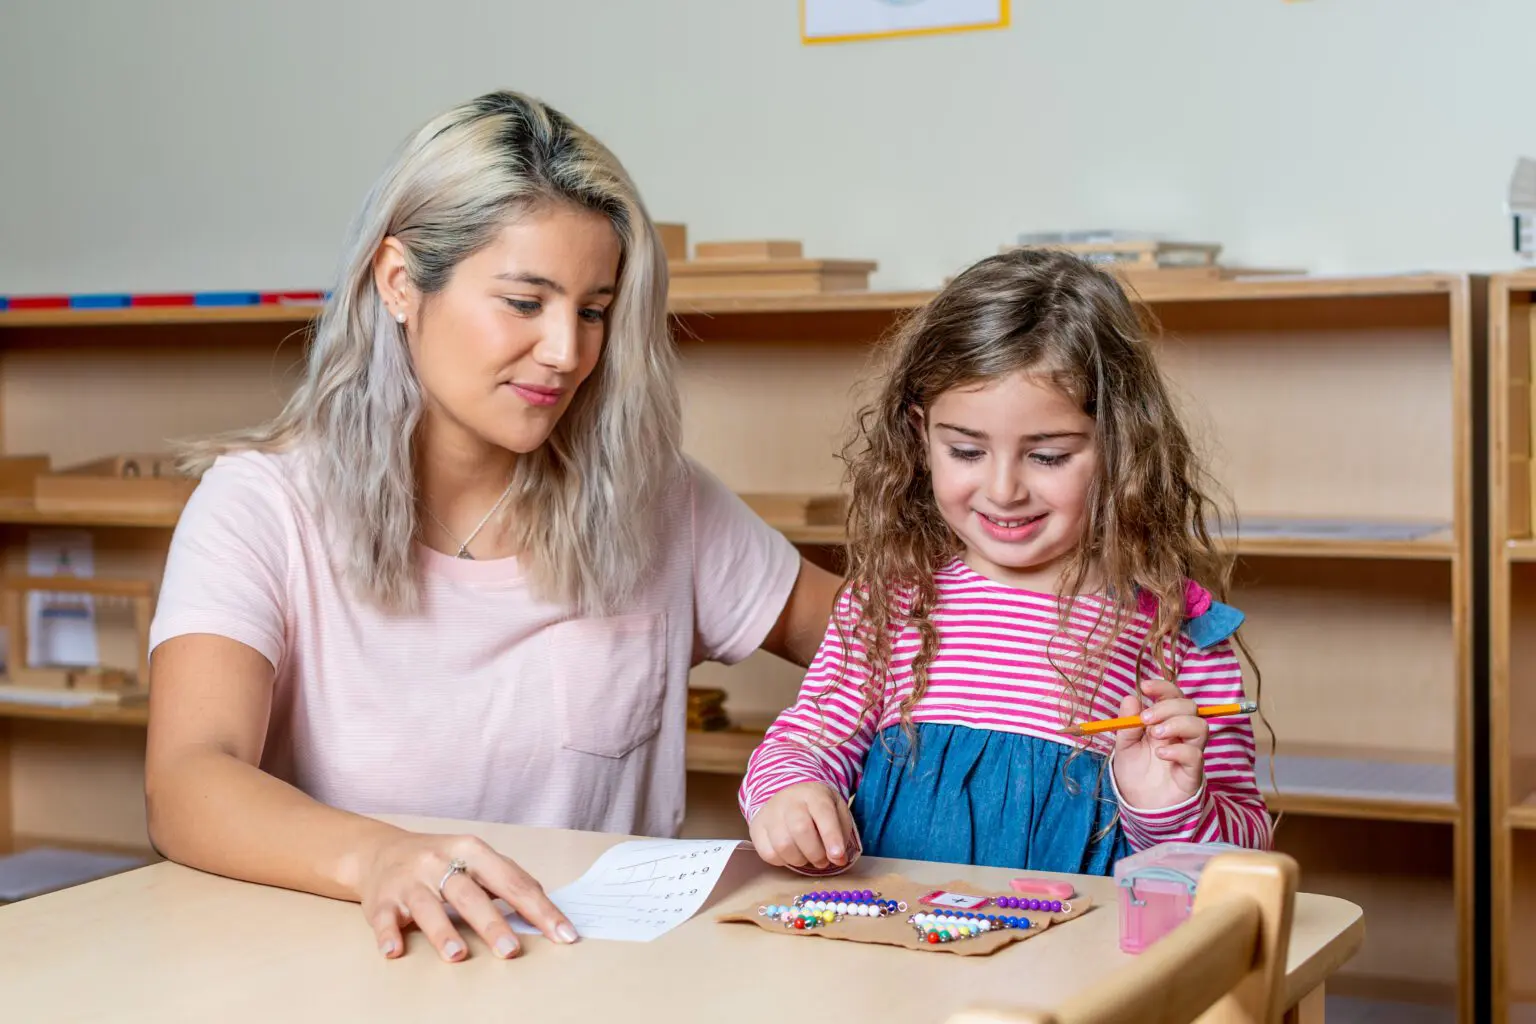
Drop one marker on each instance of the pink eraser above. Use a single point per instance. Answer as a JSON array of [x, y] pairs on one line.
[[1044, 887]]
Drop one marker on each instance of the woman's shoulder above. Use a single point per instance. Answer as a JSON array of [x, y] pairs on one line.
[[268, 483]]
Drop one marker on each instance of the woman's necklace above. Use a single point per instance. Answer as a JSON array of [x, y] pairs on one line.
[[464, 547]]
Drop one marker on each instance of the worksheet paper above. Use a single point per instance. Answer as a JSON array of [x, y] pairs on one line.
[[640, 889]]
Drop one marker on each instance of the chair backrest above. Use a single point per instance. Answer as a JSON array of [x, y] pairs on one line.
[[1225, 965]]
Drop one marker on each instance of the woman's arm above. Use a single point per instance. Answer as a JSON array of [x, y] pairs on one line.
[[211, 807], [797, 633]]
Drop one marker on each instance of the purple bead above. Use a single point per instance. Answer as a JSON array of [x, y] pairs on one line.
[[869, 894], [1031, 904], [1055, 906], [1002, 901]]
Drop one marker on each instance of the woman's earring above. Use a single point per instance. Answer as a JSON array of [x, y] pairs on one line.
[[399, 318]]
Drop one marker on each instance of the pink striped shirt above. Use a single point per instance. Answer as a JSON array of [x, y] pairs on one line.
[[992, 672]]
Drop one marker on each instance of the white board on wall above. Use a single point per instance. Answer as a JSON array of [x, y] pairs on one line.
[[836, 21]]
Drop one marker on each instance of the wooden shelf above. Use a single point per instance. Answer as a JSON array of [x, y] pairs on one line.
[[101, 714], [1436, 547], [1333, 783], [25, 512], [1261, 287], [1521, 550]]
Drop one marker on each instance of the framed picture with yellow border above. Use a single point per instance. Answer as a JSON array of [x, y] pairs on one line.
[[846, 21]]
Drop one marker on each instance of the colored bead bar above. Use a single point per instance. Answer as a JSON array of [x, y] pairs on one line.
[[1020, 903], [854, 903], [937, 928], [799, 918]]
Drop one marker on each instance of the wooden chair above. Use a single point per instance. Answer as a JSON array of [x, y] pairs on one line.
[[1225, 965]]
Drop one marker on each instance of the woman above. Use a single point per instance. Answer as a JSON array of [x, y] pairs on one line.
[[464, 573]]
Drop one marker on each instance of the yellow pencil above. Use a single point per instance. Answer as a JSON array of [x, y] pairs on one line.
[[1247, 707]]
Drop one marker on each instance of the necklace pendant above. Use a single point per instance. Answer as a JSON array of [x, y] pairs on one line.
[[465, 554]]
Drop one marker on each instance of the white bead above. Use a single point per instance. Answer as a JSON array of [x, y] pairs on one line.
[[986, 926]]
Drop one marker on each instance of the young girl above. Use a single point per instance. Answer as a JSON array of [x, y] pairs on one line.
[[1028, 546]]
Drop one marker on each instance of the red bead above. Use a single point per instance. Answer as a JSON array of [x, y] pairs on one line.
[[800, 923], [933, 937]]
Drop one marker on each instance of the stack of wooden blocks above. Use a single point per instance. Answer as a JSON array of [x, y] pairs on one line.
[[761, 267]]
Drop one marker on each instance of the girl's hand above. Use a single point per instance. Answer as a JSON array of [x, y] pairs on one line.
[[1163, 763], [804, 825], [398, 885]]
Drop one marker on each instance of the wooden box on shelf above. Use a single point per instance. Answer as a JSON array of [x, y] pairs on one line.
[[18, 475], [674, 240], [755, 267], [811, 518], [143, 483]]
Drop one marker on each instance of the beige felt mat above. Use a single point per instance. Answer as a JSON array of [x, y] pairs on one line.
[[894, 930]]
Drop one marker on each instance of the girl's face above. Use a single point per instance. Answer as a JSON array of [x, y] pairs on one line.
[[502, 348], [1012, 461]]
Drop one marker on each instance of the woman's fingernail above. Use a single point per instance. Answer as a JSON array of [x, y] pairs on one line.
[[1161, 730], [451, 949], [836, 852], [505, 946], [387, 947], [566, 932]]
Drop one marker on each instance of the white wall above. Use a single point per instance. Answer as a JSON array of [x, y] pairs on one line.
[[154, 144]]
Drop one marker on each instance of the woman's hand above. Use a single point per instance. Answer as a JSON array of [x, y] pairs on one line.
[[806, 825], [398, 885], [1162, 763]]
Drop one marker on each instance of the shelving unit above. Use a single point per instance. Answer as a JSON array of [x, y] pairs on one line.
[[1317, 399], [1512, 641]]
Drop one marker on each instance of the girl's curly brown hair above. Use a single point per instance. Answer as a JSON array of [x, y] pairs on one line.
[[1146, 530]]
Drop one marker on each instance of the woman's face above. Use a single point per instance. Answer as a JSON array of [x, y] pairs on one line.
[[502, 348]]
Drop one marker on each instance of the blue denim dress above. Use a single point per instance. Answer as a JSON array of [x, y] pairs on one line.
[[977, 796]]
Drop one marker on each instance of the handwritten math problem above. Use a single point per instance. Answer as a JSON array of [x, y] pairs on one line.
[[641, 889]]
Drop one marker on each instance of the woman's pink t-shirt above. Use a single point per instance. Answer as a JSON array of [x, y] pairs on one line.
[[486, 705]]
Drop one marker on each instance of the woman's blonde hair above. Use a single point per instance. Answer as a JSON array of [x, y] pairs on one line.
[[582, 504]]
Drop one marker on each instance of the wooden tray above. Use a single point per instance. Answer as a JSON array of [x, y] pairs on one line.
[[799, 509], [19, 473], [141, 482], [693, 278]]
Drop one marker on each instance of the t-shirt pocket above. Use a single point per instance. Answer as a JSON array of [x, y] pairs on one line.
[[610, 679]]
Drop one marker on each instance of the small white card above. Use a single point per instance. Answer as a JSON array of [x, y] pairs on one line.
[[640, 889]]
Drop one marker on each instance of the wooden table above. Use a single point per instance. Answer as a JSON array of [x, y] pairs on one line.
[[167, 943]]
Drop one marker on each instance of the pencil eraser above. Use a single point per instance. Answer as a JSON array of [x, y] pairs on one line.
[[1044, 887], [98, 301], [162, 300], [226, 298], [40, 302]]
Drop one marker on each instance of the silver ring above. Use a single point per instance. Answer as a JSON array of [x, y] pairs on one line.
[[455, 866]]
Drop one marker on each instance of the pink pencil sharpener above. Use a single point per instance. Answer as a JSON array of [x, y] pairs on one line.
[[1157, 889]]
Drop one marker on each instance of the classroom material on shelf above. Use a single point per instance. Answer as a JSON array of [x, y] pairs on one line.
[[674, 239], [706, 709], [30, 681], [1520, 205], [46, 869], [1143, 257], [1326, 528], [1157, 889], [129, 300], [1388, 778], [640, 889], [955, 917], [141, 483], [770, 266], [786, 510]]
